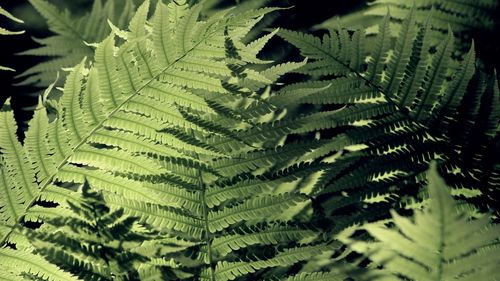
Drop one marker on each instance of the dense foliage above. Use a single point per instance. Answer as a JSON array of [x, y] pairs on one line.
[[170, 143]]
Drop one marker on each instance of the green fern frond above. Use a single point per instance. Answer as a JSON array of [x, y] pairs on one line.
[[438, 243], [464, 17], [72, 34], [252, 209], [231, 270], [93, 242], [18, 174], [199, 165], [172, 196], [403, 101], [259, 235], [15, 263]]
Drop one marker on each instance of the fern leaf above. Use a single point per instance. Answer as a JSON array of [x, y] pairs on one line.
[[415, 69], [252, 209], [100, 180], [72, 116], [399, 104], [162, 217], [16, 164], [137, 22], [268, 235], [401, 57], [379, 53], [258, 159], [35, 265], [113, 160], [72, 33], [170, 143], [176, 196], [175, 95], [458, 86], [4, 31], [216, 195], [110, 92], [440, 243], [435, 77], [316, 51], [464, 17], [162, 36], [12, 200], [231, 270], [36, 144], [58, 23]]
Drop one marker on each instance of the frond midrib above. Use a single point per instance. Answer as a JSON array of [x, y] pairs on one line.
[[205, 218], [441, 237]]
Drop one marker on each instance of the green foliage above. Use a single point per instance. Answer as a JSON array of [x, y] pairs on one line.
[[72, 36], [96, 244], [438, 243], [404, 105], [162, 131], [464, 17], [173, 151]]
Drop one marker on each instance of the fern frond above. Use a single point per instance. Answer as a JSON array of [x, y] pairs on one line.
[[72, 135], [260, 159], [72, 34], [257, 207], [399, 104], [93, 242], [270, 234], [36, 144], [163, 218], [18, 175], [231, 270], [439, 243], [31, 264], [185, 146], [464, 17]]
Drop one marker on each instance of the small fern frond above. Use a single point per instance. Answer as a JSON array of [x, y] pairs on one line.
[[93, 242], [439, 243], [72, 34]]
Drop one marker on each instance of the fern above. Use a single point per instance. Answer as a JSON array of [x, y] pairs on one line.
[[73, 34], [173, 151], [94, 243], [400, 110], [439, 243], [156, 125], [464, 17], [33, 266]]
